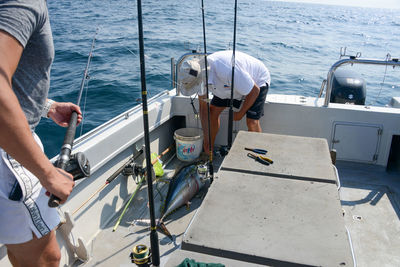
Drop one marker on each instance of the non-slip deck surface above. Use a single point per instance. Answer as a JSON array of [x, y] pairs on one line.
[[370, 199], [265, 220], [253, 215], [294, 157]]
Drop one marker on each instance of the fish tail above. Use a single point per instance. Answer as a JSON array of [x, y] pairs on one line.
[[164, 230]]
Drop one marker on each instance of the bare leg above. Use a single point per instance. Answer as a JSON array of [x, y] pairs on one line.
[[12, 259], [37, 252], [214, 123], [253, 125]]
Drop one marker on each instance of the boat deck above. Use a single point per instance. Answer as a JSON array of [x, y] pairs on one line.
[[370, 200], [369, 197], [113, 248]]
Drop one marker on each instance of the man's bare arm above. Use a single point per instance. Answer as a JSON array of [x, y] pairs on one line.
[[15, 135], [248, 102]]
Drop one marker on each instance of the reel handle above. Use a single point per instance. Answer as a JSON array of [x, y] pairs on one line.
[[78, 165], [54, 201]]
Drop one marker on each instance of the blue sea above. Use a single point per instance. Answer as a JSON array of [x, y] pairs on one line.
[[297, 42]]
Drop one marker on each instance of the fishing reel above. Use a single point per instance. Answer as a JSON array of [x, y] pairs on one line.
[[141, 255], [78, 165], [136, 170], [202, 169], [133, 169]]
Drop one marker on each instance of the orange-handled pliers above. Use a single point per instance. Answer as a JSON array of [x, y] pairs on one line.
[[260, 159], [267, 159]]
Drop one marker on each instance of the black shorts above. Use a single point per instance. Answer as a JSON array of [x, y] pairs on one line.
[[255, 112]]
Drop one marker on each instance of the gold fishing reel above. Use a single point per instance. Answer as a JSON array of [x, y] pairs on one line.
[[140, 255]]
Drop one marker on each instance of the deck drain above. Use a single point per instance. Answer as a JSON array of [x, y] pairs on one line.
[[357, 218]]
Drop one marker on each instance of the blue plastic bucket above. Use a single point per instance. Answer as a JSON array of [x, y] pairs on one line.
[[189, 143]]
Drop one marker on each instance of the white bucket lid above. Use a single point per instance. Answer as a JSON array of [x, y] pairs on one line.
[[188, 134]]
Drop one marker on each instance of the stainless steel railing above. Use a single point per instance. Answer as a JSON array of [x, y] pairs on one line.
[[352, 60]]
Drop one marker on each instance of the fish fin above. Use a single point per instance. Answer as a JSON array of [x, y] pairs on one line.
[[188, 205], [164, 230]]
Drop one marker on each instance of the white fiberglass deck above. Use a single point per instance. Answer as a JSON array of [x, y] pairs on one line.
[[287, 213], [369, 198]]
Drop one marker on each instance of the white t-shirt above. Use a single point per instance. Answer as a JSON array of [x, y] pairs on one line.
[[248, 71]]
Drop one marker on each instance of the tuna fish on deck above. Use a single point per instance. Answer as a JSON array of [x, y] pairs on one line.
[[188, 181]]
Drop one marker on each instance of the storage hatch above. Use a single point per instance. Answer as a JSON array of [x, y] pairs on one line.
[[356, 141]]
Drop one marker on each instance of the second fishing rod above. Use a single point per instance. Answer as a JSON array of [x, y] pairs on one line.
[[210, 148], [77, 163], [230, 119]]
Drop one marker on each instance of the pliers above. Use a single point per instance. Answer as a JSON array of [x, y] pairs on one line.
[[261, 159], [257, 150]]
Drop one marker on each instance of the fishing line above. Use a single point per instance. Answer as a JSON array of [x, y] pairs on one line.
[[388, 57], [157, 70], [86, 89], [162, 74]]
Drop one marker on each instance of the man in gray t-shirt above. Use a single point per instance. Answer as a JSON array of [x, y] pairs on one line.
[[26, 53]]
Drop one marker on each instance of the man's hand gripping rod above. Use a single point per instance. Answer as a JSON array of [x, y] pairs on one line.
[[77, 164]]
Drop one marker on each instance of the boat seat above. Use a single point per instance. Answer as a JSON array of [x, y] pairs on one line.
[[284, 214]]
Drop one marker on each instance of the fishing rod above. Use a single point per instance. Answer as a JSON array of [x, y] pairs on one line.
[[111, 178], [155, 250], [230, 125], [210, 148], [138, 187], [64, 159]]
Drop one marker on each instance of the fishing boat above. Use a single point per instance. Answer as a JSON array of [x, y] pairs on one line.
[[329, 198], [298, 131]]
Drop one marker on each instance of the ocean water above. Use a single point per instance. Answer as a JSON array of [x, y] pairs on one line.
[[297, 42]]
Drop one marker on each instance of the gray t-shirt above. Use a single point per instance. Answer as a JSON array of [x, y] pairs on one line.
[[28, 22]]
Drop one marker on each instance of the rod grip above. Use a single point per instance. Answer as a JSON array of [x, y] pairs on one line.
[[70, 134], [54, 201], [65, 153]]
